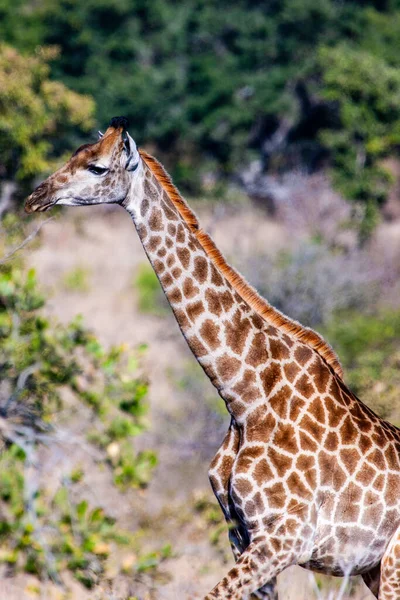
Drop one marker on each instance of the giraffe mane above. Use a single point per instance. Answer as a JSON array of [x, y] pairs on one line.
[[272, 315]]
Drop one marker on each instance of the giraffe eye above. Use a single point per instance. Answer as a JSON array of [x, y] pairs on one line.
[[97, 170]]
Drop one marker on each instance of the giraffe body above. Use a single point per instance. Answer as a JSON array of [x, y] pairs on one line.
[[307, 474]]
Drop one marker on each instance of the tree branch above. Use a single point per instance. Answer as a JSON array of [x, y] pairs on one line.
[[7, 190], [26, 241]]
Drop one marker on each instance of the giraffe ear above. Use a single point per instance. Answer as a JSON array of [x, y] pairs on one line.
[[100, 135], [132, 154]]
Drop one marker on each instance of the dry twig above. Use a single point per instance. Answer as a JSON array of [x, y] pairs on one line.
[[26, 241]]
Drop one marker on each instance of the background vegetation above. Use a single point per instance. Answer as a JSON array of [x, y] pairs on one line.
[[48, 531], [210, 86], [295, 102]]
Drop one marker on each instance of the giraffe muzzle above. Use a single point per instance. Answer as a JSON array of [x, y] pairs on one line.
[[38, 207], [40, 200]]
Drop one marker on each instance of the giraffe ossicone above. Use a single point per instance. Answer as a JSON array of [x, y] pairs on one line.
[[307, 474]]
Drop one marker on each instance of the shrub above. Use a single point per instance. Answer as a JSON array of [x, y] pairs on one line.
[[368, 346], [45, 533], [313, 282], [366, 89], [151, 298], [37, 114]]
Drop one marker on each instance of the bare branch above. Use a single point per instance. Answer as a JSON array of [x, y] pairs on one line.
[[22, 379], [7, 191], [26, 241]]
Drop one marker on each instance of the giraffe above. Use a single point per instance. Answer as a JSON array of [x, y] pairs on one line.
[[307, 474]]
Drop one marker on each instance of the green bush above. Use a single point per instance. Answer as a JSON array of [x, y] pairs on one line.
[[196, 79], [369, 349], [207, 85], [45, 533], [150, 295], [76, 280], [39, 117], [366, 89]]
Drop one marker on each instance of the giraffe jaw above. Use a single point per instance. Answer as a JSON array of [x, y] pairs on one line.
[[31, 206], [66, 201]]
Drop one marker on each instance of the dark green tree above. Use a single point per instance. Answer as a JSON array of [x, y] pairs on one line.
[[207, 84]]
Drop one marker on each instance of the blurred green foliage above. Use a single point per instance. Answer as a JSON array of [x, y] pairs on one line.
[[49, 534], [214, 521], [367, 90], [77, 280], [39, 360], [207, 84], [48, 354], [150, 295], [54, 534], [369, 348], [39, 117]]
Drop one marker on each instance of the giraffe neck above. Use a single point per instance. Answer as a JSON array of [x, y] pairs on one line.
[[219, 326]]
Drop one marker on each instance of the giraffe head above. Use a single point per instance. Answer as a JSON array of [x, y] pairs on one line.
[[97, 173]]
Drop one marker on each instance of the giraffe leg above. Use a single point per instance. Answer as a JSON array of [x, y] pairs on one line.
[[389, 588], [258, 564], [371, 579], [269, 591], [219, 474]]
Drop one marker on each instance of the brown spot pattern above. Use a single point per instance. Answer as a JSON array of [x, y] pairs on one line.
[[189, 289], [237, 331], [228, 366], [209, 333], [200, 271], [184, 256]]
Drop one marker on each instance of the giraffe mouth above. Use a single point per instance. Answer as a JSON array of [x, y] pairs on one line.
[[31, 207]]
